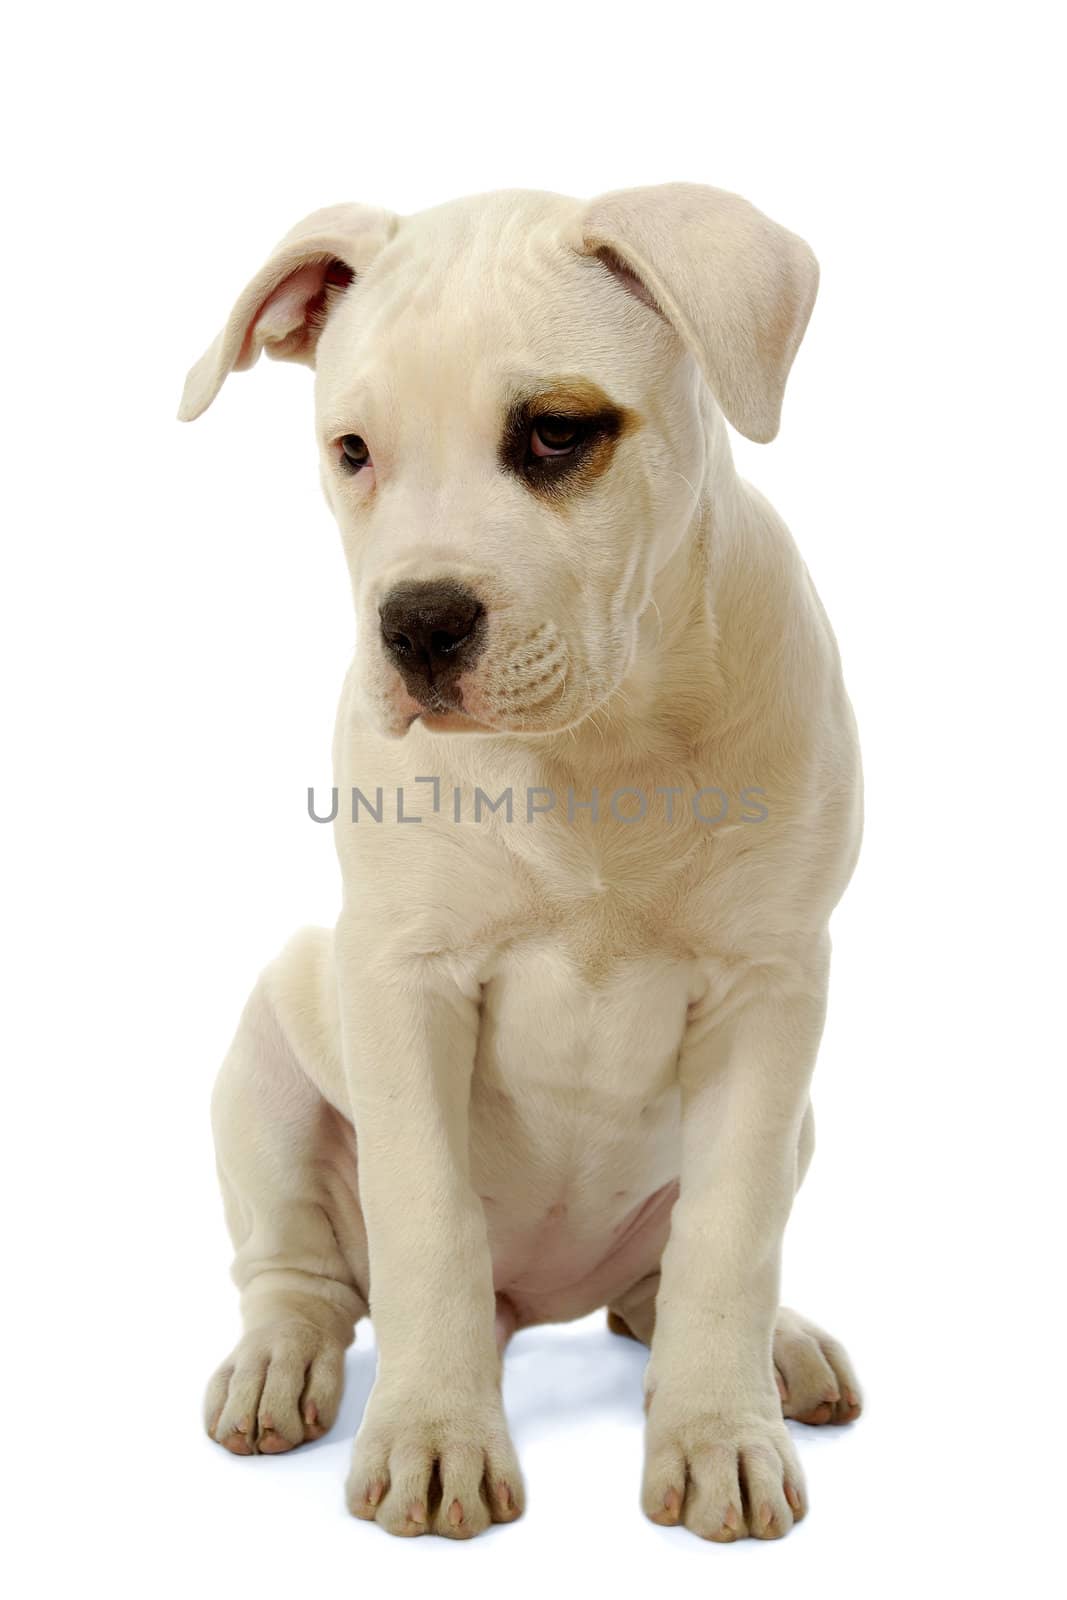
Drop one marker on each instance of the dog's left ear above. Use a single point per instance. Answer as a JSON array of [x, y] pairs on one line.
[[735, 286], [283, 309]]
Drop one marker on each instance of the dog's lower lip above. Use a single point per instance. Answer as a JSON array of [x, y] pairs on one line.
[[451, 719]]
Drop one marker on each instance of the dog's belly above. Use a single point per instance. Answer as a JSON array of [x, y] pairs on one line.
[[575, 1125]]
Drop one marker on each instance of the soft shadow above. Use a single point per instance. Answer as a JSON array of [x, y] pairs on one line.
[[359, 1380], [564, 1372], [550, 1374]]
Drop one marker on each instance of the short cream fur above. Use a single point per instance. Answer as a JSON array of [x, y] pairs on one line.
[[544, 1067]]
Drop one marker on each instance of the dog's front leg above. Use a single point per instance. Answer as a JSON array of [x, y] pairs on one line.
[[433, 1452], [718, 1455]]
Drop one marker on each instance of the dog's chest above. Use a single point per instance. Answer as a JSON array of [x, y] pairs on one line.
[[574, 1123], [557, 1014], [585, 999], [575, 1113], [574, 1093]]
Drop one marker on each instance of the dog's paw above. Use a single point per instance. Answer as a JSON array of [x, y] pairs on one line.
[[815, 1377], [279, 1388], [422, 1467], [723, 1477]]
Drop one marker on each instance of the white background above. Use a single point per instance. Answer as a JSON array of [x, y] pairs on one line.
[[176, 622]]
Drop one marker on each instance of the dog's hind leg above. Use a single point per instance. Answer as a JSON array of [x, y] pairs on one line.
[[814, 1374], [287, 1167], [633, 1314]]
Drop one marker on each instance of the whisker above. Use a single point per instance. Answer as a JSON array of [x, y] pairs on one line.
[[694, 492]]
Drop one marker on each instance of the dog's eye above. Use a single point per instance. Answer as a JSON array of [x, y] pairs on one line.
[[554, 436], [354, 452], [560, 441]]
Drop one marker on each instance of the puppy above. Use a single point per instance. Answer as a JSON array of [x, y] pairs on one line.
[[597, 794]]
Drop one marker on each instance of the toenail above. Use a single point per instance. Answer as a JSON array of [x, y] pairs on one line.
[[417, 1513], [732, 1518], [765, 1515], [374, 1494], [273, 1444], [672, 1502], [793, 1496], [455, 1513], [503, 1495]]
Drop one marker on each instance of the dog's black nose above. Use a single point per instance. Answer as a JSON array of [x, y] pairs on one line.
[[432, 631]]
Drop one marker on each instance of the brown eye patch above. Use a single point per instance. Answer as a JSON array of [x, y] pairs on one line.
[[561, 438]]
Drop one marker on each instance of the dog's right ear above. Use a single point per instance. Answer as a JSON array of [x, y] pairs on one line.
[[284, 308], [737, 287]]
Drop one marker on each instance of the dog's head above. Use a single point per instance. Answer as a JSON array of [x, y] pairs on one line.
[[509, 422]]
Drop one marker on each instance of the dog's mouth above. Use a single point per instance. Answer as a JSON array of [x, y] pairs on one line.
[[526, 687], [451, 722], [440, 708]]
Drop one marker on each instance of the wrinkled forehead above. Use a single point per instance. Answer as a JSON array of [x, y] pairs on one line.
[[475, 305]]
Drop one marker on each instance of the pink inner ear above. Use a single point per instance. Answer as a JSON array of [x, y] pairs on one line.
[[627, 277], [289, 319]]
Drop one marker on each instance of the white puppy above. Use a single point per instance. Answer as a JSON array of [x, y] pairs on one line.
[[556, 1053]]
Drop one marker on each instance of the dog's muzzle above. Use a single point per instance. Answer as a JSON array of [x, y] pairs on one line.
[[432, 633]]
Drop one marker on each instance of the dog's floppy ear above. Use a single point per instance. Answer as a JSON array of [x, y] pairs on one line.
[[735, 286], [284, 307]]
